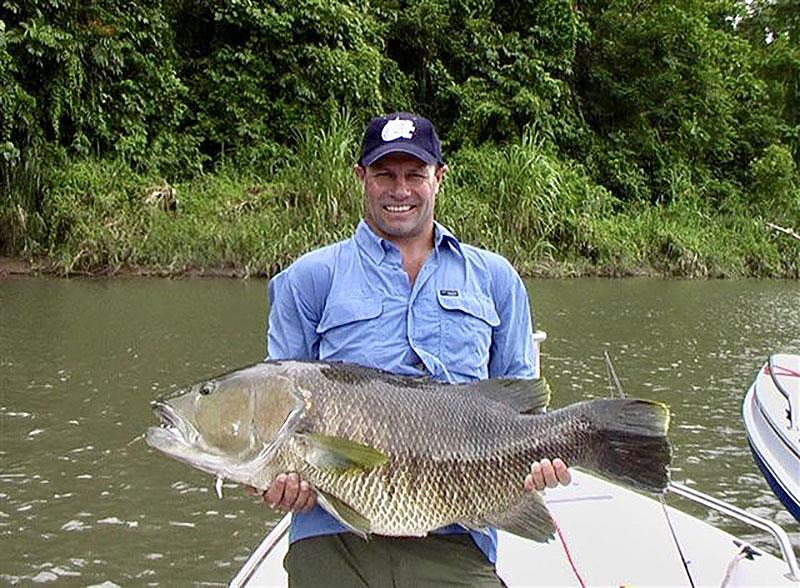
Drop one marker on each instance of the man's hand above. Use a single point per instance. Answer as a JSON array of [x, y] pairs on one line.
[[547, 474], [288, 493]]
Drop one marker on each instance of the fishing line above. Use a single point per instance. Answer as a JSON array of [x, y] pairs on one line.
[[676, 541], [581, 581], [612, 376]]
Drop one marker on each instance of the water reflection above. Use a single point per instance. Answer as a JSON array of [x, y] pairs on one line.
[[82, 501]]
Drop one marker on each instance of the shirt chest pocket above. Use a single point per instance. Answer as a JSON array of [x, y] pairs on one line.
[[349, 329], [466, 333]]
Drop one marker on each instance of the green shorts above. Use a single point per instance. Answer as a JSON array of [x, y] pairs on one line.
[[347, 560]]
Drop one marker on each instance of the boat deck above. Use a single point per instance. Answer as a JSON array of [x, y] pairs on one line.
[[616, 537]]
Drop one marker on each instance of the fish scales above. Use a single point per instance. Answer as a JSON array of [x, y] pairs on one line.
[[445, 450], [435, 453]]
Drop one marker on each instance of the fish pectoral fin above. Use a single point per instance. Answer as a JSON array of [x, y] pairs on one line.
[[529, 518], [341, 455], [345, 514]]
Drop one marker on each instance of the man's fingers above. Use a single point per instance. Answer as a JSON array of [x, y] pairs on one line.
[[274, 493], [562, 472], [537, 476], [306, 498], [547, 474], [529, 485], [290, 491]]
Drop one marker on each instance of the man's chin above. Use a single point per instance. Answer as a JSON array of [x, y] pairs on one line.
[[398, 232]]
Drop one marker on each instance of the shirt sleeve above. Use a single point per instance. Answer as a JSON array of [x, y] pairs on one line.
[[293, 320], [512, 352]]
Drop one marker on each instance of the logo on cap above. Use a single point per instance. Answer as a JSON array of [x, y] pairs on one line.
[[398, 129]]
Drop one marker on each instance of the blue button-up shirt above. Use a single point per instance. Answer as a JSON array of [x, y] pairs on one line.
[[466, 317]]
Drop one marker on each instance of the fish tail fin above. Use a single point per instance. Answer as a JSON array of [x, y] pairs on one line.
[[628, 441]]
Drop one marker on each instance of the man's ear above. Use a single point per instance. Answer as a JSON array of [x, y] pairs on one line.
[[360, 170], [441, 171]]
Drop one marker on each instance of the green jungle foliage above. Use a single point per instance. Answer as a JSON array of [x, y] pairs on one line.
[[608, 136]]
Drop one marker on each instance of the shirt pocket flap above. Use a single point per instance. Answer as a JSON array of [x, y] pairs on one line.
[[477, 306], [343, 312]]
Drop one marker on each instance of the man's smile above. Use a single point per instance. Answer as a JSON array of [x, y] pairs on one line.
[[398, 207]]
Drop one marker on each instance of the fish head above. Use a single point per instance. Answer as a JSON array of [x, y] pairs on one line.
[[229, 426]]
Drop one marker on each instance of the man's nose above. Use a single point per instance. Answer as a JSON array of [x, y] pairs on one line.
[[402, 187]]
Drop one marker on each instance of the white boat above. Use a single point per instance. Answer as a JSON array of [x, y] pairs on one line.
[[772, 419], [609, 536]]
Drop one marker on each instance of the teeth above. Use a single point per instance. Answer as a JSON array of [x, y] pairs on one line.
[[396, 208]]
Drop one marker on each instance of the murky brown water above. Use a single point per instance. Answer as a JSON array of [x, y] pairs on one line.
[[80, 360]]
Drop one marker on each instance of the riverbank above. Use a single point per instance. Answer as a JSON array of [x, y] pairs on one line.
[[99, 217], [17, 267], [11, 267]]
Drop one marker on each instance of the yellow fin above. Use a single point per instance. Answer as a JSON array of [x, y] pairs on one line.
[[336, 453]]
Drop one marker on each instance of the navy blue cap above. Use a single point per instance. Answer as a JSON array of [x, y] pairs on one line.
[[401, 132]]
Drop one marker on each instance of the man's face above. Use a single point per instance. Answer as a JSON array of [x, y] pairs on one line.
[[400, 195]]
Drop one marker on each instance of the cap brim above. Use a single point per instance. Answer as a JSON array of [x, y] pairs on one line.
[[407, 148]]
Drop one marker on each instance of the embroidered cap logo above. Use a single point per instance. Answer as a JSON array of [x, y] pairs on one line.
[[398, 129]]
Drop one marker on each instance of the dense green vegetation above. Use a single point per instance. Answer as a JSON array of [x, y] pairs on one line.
[[608, 136]]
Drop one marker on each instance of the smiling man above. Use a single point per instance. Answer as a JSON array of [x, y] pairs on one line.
[[404, 295], [401, 169]]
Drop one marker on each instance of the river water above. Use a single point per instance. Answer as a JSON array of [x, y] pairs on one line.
[[83, 502]]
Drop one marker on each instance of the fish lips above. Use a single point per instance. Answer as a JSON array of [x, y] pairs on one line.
[[174, 429]]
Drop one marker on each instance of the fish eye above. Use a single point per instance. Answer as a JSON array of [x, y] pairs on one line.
[[207, 388]]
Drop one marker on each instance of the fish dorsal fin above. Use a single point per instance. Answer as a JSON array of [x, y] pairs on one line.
[[522, 395], [528, 518], [328, 453], [346, 514]]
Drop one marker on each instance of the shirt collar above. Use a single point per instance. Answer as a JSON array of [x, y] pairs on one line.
[[369, 242], [443, 237], [375, 246]]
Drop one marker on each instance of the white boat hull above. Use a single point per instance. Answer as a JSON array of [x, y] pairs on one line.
[[771, 412]]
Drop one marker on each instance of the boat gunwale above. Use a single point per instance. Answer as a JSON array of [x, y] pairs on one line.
[[786, 440], [792, 400]]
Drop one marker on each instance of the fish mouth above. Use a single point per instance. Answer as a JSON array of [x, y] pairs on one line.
[[177, 437], [174, 423]]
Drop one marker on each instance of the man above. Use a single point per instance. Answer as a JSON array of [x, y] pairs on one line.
[[404, 295]]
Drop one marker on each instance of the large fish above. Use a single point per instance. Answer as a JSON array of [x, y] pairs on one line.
[[396, 455]]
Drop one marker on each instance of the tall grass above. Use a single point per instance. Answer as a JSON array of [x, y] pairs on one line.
[[543, 213], [22, 187]]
